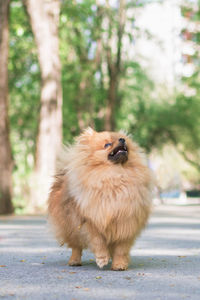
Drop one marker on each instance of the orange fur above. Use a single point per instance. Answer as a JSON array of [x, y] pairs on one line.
[[98, 204]]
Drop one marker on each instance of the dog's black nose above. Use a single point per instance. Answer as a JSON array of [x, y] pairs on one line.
[[121, 140]]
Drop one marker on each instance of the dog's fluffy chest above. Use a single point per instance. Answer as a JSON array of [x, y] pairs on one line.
[[110, 200]]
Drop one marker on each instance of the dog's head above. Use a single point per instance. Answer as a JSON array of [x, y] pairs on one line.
[[106, 148]]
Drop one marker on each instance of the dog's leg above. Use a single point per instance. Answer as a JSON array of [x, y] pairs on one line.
[[120, 256], [75, 259], [98, 247], [101, 251]]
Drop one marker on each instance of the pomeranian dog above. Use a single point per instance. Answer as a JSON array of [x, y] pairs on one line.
[[101, 197]]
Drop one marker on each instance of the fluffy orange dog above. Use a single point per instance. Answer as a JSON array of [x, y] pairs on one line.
[[101, 197]]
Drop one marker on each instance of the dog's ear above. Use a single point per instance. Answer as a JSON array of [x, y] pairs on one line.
[[86, 136], [89, 131]]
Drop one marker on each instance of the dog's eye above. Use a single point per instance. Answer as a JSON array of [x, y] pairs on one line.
[[107, 145]]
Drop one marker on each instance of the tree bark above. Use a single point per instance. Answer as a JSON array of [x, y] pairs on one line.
[[5, 148], [44, 19], [114, 65], [111, 101]]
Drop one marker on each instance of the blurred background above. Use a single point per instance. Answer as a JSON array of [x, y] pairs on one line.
[[108, 64]]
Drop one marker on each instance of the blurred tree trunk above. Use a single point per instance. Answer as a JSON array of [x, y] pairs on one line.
[[44, 19], [84, 104], [114, 63], [5, 148]]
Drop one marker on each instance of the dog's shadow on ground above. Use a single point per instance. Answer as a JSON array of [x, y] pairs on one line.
[[137, 263]]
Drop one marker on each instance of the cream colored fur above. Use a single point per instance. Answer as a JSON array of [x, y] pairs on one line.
[[95, 203]]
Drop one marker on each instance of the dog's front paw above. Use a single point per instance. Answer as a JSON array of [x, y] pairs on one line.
[[102, 261], [119, 267], [120, 263], [74, 263]]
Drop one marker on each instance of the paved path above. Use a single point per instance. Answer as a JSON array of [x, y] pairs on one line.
[[165, 262]]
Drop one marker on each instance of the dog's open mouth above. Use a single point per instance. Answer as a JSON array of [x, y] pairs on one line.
[[119, 154]]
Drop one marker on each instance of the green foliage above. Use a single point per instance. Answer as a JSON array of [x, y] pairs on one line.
[[79, 86], [189, 100], [153, 122]]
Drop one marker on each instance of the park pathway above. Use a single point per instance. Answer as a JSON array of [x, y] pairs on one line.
[[165, 262]]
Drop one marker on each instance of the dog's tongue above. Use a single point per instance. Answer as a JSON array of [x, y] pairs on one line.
[[120, 150]]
